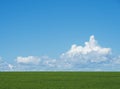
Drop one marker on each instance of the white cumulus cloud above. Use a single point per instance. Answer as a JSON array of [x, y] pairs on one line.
[[10, 66], [90, 52], [4, 66], [28, 60]]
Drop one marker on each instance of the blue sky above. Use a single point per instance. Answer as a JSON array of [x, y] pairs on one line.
[[50, 27]]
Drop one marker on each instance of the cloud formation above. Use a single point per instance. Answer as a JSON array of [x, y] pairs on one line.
[[4, 66], [91, 52], [28, 60], [90, 57]]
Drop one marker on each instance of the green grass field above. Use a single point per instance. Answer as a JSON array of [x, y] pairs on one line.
[[59, 80]]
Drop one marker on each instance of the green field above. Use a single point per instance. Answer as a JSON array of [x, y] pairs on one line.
[[59, 80]]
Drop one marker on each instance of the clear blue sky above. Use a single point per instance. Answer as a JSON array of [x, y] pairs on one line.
[[50, 27]]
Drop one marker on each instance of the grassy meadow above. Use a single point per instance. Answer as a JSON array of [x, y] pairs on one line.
[[59, 80]]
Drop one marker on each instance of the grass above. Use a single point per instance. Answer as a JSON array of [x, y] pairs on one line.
[[59, 80]]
